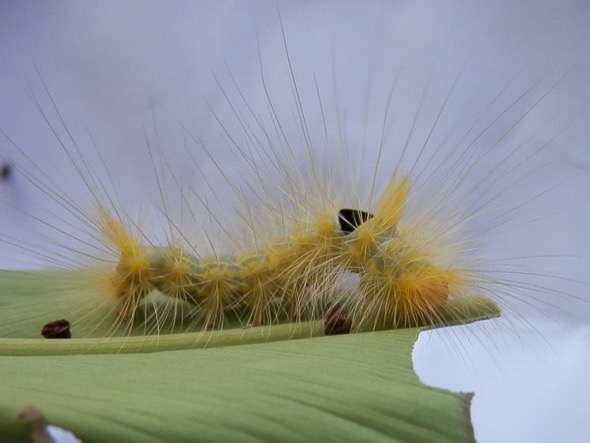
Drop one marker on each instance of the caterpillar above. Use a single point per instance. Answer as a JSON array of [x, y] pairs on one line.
[[399, 286], [397, 283], [404, 279], [307, 197]]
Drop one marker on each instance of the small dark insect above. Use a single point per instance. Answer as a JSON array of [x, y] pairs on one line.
[[337, 323], [5, 172], [57, 329]]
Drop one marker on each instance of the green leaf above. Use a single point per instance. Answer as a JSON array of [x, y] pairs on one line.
[[357, 387]]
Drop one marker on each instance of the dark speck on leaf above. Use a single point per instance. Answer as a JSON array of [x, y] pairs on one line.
[[337, 323], [57, 329]]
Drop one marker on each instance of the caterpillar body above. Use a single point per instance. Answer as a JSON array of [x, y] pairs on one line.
[[319, 247], [402, 257], [398, 285]]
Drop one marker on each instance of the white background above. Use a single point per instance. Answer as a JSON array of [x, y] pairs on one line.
[[115, 68]]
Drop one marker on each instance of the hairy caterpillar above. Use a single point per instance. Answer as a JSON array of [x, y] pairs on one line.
[[434, 192]]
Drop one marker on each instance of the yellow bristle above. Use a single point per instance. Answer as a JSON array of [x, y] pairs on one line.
[[360, 245], [393, 203], [260, 287], [131, 280], [175, 279], [217, 292]]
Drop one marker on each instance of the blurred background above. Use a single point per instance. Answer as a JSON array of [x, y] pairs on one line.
[[110, 78]]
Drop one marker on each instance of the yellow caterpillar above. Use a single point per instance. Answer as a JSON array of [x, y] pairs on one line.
[[399, 287], [317, 246], [299, 269], [383, 264]]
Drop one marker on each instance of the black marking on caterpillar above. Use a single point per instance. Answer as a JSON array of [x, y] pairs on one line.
[[350, 219]]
